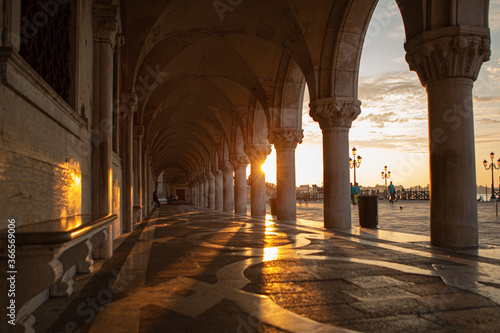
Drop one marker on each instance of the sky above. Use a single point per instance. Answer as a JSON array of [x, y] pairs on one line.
[[392, 128]]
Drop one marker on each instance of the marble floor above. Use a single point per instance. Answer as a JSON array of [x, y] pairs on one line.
[[187, 269]]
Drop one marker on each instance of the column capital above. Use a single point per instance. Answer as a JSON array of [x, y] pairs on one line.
[[129, 103], [239, 160], [335, 111], [215, 169], [257, 152], [434, 56], [106, 24], [138, 132], [226, 166], [285, 137]]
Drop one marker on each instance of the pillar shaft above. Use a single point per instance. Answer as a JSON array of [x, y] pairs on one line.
[[102, 158], [219, 195], [128, 179], [138, 133], [335, 116], [285, 141], [240, 190], [257, 154], [447, 62], [452, 163], [240, 162], [337, 203], [206, 193], [228, 187], [211, 191]]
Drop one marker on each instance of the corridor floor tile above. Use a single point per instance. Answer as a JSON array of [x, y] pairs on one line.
[[196, 270]]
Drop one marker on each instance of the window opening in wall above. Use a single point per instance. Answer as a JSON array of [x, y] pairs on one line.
[[45, 43]]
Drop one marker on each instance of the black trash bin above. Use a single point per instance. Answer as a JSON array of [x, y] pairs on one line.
[[368, 211]]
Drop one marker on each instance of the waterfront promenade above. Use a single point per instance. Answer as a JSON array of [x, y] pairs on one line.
[[187, 269], [410, 216]]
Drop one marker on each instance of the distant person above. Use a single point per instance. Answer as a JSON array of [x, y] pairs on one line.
[[392, 193], [357, 191], [352, 194], [155, 199]]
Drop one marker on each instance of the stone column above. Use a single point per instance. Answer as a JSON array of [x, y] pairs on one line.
[[447, 67], [188, 193], [240, 163], [257, 153], [228, 188], [138, 133], [219, 200], [145, 187], [128, 164], [207, 190], [335, 116], [285, 141], [102, 120], [202, 191], [211, 190]]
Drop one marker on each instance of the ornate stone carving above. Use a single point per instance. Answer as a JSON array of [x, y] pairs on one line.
[[239, 160], [447, 57], [257, 152], [285, 137], [107, 28], [334, 112], [226, 166], [138, 132]]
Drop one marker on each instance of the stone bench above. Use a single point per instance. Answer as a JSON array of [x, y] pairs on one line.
[[47, 256]]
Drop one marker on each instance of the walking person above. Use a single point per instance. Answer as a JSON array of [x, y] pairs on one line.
[[352, 194], [155, 199], [357, 191], [392, 193]]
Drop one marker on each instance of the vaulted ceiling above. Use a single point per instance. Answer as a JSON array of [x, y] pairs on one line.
[[212, 76]]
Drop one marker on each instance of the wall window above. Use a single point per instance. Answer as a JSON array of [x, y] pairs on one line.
[[45, 42]]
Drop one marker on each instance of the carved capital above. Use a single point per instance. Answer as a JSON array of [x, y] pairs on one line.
[[257, 153], [447, 56], [239, 160], [128, 103], [107, 29], [225, 166], [215, 169], [106, 24], [285, 137], [138, 132], [334, 112]]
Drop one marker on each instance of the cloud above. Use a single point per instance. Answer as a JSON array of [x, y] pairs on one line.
[[488, 121], [381, 119], [394, 142], [494, 16], [397, 94], [397, 33]]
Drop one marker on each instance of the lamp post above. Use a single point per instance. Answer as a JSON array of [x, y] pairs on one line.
[[354, 162], [492, 166], [386, 175]]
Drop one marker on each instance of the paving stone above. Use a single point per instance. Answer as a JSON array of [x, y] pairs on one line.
[[329, 313], [379, 294], [426, 289], [396, 324], [375, 281], [468, 320], [455, 301]]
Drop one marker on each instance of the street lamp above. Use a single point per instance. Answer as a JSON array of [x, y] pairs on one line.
[[354, 162], [492, 166], [386, 175]]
